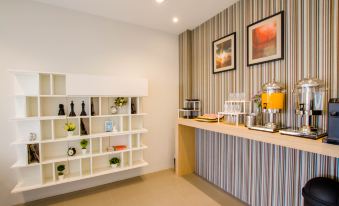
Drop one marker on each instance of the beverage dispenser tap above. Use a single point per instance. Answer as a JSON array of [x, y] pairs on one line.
[[272, 98], [309, 95]]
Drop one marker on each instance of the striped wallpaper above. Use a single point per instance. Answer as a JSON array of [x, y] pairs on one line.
[[311, 48], [185, 61], [259, 174]]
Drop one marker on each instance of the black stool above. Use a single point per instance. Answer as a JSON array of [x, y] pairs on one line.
[[321, 191]]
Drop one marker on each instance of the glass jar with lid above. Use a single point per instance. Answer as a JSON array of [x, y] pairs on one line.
[[272, 97], [309, 96]]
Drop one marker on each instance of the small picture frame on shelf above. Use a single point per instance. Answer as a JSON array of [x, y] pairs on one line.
[[108, 126], [33, 153]]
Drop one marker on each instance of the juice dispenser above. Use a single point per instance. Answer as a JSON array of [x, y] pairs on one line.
[[309, 97], [272, 98]]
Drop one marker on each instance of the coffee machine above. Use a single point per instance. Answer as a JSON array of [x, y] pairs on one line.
[[333, 122], [272, 98], [309, 96]]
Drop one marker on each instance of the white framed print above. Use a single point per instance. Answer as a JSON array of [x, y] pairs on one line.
[[108, 126]]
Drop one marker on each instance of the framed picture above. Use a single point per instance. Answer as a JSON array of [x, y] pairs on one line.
[[108, 126], [33, 153], [224, 53], [265, 40]]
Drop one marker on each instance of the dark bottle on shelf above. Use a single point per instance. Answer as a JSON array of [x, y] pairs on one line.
[[61, 110], [83, 112], [72, 113]]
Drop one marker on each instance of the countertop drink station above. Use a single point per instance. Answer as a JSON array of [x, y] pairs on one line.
[[272, 105], [309, 101], [210, 148]]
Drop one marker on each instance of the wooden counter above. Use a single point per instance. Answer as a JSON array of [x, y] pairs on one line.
[[185, 141]]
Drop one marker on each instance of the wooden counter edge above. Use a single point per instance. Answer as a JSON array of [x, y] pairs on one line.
[[303, 144]]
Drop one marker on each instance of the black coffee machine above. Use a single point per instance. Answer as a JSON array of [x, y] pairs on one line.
[[333, 122]]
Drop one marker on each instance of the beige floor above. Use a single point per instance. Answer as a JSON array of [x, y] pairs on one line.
[[161, 188]]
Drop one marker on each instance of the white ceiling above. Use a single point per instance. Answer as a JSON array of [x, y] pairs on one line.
[[148, 13]]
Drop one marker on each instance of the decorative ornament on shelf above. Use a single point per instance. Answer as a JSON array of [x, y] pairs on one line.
[[114, 162], [120, 102], [257, 101], [72, 113], [119, 147], [61, 110], [71, 151], [83, 145], [114, 109], [108, 126], [133, 108], [33, 153], [32, 136], [83, 112], [83, 130], [61, 169], [92, 108], [116, 148], [258, 107], [70, 127]]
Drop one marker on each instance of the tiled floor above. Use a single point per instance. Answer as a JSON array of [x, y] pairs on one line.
[[161, 188]]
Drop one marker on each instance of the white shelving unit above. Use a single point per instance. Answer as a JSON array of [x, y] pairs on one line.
[[37, 98]]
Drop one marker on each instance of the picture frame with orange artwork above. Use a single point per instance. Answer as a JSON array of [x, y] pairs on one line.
[[265, 40], [224, 54]]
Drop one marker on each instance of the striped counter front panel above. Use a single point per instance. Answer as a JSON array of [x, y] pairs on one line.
[[259, 173]]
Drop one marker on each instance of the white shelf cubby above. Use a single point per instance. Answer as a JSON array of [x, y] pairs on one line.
[[72, 170], [95, 106], [45, 84], [135, 140], [29, 176], [86, 167], [26, 106], [49, 106], [101, 163], [137, 122], [23, 129], [59, 125], [26, 83], [58, 84], [98, 126], [48, 175], [46, 130]]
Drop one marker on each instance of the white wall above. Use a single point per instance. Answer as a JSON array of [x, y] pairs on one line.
[[35, 36]]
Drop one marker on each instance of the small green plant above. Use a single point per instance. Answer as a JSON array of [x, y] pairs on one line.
[[69, 127], [257, 101], [84, 144], [120, 101], [114, 160], [61, 169]]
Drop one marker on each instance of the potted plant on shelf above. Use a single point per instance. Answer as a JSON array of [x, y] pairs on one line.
[[83, 145], [61, 169], [70, 127], [114, 162], [258, 107], [120, 103]]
